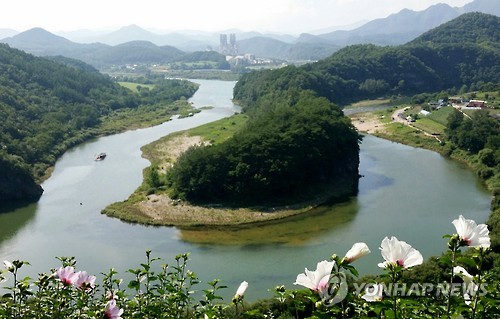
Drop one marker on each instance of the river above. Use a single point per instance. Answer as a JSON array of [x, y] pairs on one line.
[[406, 192]]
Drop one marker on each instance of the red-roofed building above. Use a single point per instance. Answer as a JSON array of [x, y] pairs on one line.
[[477, 103]]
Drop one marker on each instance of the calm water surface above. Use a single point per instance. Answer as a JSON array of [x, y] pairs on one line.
[[410, 193]]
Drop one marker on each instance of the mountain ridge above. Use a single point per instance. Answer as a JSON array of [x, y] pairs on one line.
[[396, 29], [404, 26], [40, 42]]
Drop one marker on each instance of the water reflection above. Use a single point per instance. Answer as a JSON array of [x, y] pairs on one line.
[[374, 181], [15, 219], [295, 231]]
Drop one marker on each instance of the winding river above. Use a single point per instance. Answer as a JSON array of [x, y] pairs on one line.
[[410, 193]]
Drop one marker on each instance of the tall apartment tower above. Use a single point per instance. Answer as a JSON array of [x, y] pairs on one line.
[[226, 48], [232, 40], [223, 43]]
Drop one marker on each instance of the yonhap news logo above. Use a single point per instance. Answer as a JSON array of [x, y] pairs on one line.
[[337, 288]]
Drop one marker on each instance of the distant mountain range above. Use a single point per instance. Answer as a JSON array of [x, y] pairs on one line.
[[403, 26], [186, 41], [132, 44], [43, 43]]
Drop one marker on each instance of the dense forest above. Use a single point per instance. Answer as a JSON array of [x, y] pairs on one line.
[[462, 53], [476, 133], [46, 106], [292, 151]]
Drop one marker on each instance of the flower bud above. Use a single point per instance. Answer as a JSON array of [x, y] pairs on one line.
[[357, 251], [280, 288]]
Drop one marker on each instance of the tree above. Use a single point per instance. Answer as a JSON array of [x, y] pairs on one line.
[[153, 177], [489, 157], [454, 121]]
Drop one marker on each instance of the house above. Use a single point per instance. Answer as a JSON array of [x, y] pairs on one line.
[[455, 99], [437, 104], [477, 104], [425, 113]]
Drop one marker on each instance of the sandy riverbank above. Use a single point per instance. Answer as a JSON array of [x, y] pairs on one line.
[[367, 123], [160, 209]]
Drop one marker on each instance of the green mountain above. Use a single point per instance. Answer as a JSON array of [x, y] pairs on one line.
[[44, 106], [40, 42], [49, 105], [275, 49], [463, 52], [297, 141], [474, 29], [132, 53]]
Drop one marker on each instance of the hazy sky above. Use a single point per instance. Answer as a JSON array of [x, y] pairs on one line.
[[279, 16]]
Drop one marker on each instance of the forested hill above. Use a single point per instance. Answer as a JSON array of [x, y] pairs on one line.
[[463, 53], [46, 107], [298, 148], [469, 29]]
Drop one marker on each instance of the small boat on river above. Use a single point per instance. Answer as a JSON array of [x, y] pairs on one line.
[[100, 157]]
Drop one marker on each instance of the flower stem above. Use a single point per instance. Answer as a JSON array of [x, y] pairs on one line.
[[479, 279], [394, 295], [453, 253]]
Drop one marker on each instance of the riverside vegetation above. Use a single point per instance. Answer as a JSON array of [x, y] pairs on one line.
[[430, 63]]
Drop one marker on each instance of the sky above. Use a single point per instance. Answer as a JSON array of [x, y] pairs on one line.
[[276, 16]]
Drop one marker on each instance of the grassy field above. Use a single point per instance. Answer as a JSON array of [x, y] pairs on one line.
[[163, 152], [219, 131], [429, 125], [132, 86], [410, 136], [441, 116], [213, 133], [435, 122], [144, 117], [204, 65], [414, 135]]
